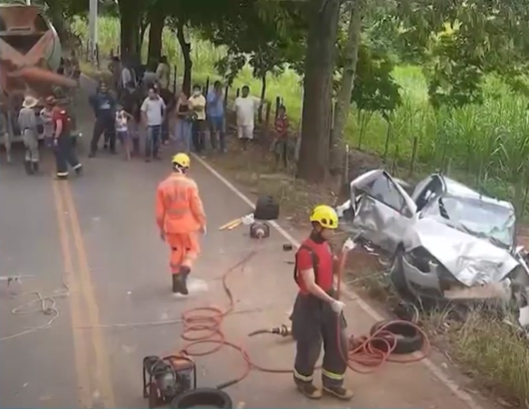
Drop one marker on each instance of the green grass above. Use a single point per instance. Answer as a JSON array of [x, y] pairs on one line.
[[485, 145]]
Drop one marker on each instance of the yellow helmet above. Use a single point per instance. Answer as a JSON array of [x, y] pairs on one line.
[[326, 216], [181, 159]]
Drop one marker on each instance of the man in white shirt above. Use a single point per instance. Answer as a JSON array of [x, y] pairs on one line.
[[245, 108], [163, 73], [153, 113]]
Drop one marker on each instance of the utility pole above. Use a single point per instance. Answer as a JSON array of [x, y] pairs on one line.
[[92, 28]]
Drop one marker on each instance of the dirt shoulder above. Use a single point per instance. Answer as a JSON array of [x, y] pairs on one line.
[[455, 349]]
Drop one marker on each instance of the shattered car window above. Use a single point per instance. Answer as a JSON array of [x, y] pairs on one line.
[[385, 191], [476, 217]]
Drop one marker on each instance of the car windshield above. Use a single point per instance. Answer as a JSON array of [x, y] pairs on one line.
[[479, 218]]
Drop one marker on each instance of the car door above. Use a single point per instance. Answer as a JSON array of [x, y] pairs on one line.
[[383, 211]]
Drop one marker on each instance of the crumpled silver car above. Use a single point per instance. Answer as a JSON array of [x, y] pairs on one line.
[[447, 241]]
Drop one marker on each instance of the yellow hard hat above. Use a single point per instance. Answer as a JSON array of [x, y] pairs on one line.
[[326, 216], [181, 159]]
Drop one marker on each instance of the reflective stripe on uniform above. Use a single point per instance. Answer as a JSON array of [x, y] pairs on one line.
[[332, 375], [303, 378], [79, 165]]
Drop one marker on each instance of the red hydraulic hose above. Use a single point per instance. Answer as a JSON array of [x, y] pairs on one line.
[[202, 326]]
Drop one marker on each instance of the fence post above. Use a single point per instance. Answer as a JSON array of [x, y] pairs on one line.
[[206, 88], [175, 80], [97, 56], [238, 92], [267, 119], [226, 91], [413, 157], [278, 104]]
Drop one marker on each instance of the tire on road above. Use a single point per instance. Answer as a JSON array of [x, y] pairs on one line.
[[407, 336], [203, 397]]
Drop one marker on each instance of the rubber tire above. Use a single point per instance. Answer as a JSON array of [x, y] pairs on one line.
[[410, 339], [210, 397], [266, 208]]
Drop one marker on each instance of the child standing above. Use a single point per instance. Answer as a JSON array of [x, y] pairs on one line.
[[280, 144], [122, 129]]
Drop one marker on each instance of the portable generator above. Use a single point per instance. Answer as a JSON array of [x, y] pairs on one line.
[[166, 378]]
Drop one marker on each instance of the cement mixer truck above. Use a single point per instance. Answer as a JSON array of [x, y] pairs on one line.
[[30, 56]]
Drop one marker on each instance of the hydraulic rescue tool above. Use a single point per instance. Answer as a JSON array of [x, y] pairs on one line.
[[259, 230]]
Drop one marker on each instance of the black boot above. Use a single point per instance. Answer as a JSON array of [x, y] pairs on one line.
[[28, 167], [182, 276], [177, 284], [339, 392], [308, 389]]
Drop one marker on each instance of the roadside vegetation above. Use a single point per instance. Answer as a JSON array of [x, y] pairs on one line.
[[452, 105]]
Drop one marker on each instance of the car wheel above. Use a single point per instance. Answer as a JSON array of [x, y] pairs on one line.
[[407, 336]]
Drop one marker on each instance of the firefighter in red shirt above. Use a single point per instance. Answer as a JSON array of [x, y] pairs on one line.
[[317, 314], [62, 142]]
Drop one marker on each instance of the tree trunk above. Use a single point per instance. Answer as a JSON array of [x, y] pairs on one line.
[[343, 102], [263, 95], [156, 23], [317, 90], [186, 53], [130, 12]]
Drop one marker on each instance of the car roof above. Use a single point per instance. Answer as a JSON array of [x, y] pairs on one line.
[[457, 189]]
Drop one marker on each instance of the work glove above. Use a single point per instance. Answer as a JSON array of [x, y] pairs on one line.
[[337, 306], [348, 245]]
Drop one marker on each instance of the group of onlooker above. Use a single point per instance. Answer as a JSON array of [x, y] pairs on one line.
[[193, 122]]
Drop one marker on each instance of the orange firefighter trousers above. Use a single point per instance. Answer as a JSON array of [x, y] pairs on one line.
[[185, 249]]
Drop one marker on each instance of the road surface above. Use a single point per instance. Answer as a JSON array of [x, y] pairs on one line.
[[97, 236]]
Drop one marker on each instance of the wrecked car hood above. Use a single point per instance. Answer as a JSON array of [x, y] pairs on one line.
[[471, 260]]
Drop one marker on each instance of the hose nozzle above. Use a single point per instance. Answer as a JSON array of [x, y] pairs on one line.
[[283, 330]]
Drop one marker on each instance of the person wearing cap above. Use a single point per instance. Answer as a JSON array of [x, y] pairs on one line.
[[180, 217], [27, 122], [62, 141]]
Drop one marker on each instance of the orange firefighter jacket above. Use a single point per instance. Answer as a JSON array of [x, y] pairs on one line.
[[179, 208]]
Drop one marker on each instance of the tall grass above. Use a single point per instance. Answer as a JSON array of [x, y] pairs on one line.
[[485, 144]]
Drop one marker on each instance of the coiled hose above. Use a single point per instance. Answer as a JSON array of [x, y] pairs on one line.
[[202, 326]]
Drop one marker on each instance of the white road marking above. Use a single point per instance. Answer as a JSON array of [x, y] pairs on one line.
[[435, 369]]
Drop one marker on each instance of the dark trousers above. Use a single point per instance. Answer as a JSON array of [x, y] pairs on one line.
[[64, 156], [198, 132], [315, 323], [152, 141], [165, 130], [104, 124], [216, 132]]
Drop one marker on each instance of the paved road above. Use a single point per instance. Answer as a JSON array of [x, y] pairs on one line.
[[96, 234]]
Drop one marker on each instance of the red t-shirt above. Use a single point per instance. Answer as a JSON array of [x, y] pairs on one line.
[[281, 125], [61, 115], [323, 272]]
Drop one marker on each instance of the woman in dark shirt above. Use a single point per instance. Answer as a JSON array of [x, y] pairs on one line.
[[183, 124]]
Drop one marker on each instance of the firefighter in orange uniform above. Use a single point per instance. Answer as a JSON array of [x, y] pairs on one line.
[[180, 217]]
